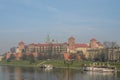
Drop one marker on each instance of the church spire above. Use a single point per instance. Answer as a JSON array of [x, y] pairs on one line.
[[48, 39]]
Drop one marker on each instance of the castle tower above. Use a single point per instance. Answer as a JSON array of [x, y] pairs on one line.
[[48, 39], [21, 46], [93, 43], [71, 42]]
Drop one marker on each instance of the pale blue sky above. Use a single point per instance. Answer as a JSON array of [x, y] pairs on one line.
[[31, 20]]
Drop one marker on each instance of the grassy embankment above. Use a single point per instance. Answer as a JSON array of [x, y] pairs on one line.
[[55, 63]]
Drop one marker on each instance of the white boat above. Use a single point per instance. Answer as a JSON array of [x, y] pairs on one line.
[[99, 69], [46, 66], [100, 73]]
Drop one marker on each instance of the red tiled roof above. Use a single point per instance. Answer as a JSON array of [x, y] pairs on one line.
[[54, 44], [81, 45], [65, 43], [42, 44]]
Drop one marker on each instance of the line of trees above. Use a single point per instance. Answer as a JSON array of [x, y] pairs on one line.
[[108, 44]]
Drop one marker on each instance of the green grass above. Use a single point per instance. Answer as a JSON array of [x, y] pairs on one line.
[[55, 63], [17, 63]]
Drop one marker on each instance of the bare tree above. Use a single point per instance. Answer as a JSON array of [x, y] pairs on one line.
[[108, 44]]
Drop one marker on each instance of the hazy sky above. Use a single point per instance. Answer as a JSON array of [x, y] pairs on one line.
[[31, 20]]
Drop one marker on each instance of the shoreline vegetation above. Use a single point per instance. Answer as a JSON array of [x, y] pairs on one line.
[[55, 63]]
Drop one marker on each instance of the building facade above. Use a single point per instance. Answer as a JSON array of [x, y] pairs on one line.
[[112, 54], [51, 48], [88, 50], [55, 48]]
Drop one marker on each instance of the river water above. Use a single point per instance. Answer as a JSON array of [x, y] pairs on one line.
[[23, 73]]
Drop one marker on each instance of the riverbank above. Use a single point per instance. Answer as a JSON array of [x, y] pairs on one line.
[[55, 63]]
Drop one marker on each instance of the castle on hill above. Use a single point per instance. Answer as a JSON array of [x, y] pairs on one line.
[[55, 48]]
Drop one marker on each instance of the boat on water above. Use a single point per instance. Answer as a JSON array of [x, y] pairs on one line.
[[100, 73], [46, 66], [99, 69]]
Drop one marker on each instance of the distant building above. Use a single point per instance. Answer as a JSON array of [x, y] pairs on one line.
[[54, 48], [84, 48], [71, 45], [112, 54], [47, 48], [1, 57], [94, 54], [8, 55], [21, 46], [94, 44]]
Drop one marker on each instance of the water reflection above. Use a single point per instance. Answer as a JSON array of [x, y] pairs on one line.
[[20, 73]]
